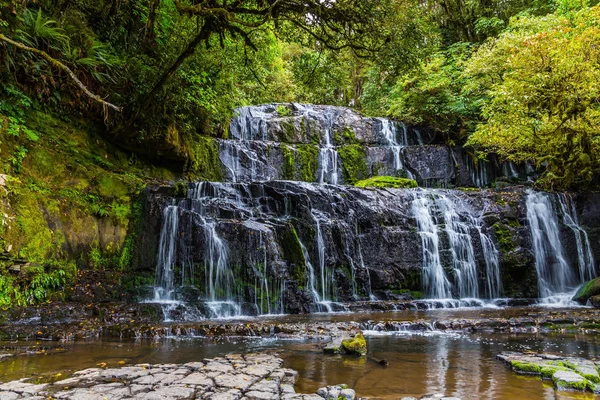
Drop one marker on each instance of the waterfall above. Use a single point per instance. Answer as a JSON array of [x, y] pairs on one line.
[[390, 133], [164, 278], [311, 281], [555, 276], [440, 213], [461, 247], [492, 264], [251, 123], [435, 283], [585, 257], [328, 160], [388, 129]]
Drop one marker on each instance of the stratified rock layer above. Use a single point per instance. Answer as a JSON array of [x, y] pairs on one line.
[[233, 377], [567, 373]]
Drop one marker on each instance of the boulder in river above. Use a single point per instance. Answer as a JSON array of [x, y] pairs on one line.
[[587, 291]]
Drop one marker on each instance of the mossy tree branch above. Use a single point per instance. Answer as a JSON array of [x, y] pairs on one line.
[[63, 67]]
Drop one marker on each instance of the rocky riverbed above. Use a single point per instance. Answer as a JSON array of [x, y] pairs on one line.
[[233, 377], [78, 322]]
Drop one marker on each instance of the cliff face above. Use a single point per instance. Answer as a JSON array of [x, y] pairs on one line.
[[255, 244], [283, 246]]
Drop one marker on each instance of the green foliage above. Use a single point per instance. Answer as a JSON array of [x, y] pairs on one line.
[[283, 111], [35, 285], [435, 94], [541, 78], [387, 182]]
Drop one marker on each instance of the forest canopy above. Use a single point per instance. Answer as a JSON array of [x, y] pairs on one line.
[[516, 78]]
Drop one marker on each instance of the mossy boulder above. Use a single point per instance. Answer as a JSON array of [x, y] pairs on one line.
[[387, 182], [356, 345], [587, 291]]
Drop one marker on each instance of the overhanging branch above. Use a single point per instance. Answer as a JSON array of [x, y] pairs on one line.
[[62, 66]]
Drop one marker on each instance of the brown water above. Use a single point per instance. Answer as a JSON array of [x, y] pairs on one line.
[[454, 364]]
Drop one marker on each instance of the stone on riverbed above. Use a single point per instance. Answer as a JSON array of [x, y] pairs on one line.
[[337, 392], [346, 344], [249, 376], [436, 396], [567, 373]]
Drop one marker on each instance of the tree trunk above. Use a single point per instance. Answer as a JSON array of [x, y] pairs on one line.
[[189, 50]]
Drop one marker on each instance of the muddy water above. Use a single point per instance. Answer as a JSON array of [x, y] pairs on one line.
[[463, 365]]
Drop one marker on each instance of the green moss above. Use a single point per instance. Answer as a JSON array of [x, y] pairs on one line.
[[288, 132], [309, 161], [181, 189], [579, 385], [111, 186], [547, 371], [354, 166], [205, 164], [292, 252], [350, 136], [337, 138], [387, 182], [504, 237], [288, 167], [356, 345], [587, 290], [283, 111], [525, 367]]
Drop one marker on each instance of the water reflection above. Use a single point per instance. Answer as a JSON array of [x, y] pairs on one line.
[[459, 365]]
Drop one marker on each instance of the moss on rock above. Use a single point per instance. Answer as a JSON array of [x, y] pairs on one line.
[[356, 345], [387, 182], [354, 165], [504, 237], [528, 368], [587, 290]]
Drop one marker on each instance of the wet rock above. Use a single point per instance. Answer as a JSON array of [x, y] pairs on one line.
[[250, 376], [356, 345], [334, 347], [337, 392], [569, 380], [587, 291], [567, 373]]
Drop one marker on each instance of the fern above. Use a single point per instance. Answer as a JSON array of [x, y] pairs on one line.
[[40, 29]]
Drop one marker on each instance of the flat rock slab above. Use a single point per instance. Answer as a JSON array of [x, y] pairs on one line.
[[567, 373], [236, 376]]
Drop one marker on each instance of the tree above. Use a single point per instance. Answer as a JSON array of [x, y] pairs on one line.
[[542, 78], [334, 24], [434, 95]]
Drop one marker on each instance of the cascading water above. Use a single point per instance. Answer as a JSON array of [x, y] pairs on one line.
[[585, 257], [436, 213], [492, 265], [328, 155], [557, 280], [236, 240], [435, 283], [390, 133], [461, 247]]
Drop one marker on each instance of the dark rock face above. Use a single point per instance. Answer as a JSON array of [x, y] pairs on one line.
[[292, 245], [258, 244], [273, 141], [431, 165]]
